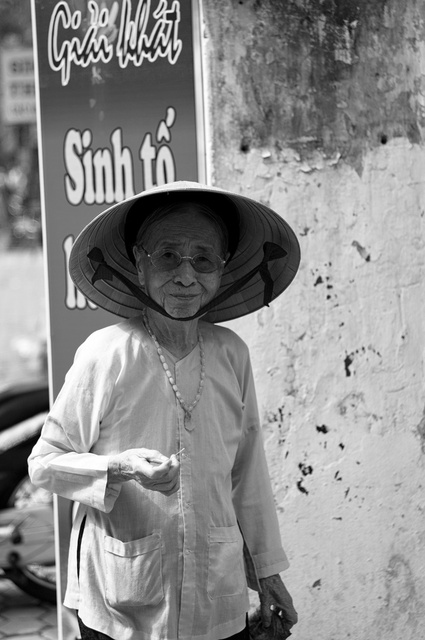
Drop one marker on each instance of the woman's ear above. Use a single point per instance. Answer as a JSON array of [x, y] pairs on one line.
[[138, 254]]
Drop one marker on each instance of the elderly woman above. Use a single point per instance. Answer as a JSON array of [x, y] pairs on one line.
[[156, 432]]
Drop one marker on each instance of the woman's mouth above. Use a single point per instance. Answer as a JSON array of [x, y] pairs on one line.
[[185, 296]]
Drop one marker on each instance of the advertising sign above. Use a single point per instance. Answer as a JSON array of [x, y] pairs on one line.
[[18, 90], [119, 105], [120, 111]]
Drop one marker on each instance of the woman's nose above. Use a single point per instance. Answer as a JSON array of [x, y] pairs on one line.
[[185, 273]]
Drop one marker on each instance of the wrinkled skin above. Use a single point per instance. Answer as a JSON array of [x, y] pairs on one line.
[[147, 467], [278, 614]]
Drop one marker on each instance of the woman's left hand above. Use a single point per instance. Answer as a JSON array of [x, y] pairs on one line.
[[275, 600]]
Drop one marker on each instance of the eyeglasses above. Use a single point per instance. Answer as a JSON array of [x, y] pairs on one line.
[[168, 259]]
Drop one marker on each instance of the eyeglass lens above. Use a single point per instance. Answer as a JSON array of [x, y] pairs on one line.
[[170, 259]]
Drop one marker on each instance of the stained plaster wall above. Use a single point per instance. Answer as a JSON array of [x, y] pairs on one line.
[[317, 108]]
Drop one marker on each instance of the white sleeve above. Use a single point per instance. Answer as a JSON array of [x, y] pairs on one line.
[[61, 461], [253, 497]]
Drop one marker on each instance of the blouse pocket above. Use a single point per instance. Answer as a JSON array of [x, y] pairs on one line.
[[226, 574], [133, 571]]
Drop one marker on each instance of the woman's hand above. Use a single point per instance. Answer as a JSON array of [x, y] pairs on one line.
[[275, 600], [148, 467]]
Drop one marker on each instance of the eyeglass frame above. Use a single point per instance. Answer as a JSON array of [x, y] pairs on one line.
[[221, 264]]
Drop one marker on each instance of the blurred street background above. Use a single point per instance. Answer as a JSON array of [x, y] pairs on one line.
[[24, 617], [23, 326], [23, 318]]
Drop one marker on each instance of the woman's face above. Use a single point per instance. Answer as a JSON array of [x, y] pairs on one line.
[[181, 291]]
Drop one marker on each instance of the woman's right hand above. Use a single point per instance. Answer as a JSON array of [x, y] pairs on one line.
[[148, 467]]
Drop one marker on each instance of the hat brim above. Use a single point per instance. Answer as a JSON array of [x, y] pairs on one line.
[[257, 224]]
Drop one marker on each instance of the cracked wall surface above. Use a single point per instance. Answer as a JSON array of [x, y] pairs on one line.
[[317, 107]]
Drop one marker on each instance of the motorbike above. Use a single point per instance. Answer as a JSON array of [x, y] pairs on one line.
[[27, 549]]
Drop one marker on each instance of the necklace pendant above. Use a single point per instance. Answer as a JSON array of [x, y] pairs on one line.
[[187, 416]]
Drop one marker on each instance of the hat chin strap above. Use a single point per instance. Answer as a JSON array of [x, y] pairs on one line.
[[271, 250]]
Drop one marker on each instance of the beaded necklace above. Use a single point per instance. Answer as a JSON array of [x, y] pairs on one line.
[[186, 408]]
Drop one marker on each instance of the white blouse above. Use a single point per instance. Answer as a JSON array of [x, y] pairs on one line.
[[152, 566]]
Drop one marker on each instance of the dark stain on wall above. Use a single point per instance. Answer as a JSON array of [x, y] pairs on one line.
[[348, 361], [322, 428], [306, 470], [366, 353], [361, 250], [301, 487], [333, 75]]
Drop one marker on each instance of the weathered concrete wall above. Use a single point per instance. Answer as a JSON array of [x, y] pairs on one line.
[[318, 109]]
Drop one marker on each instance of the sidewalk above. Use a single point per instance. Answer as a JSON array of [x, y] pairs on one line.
[[23, 617]]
